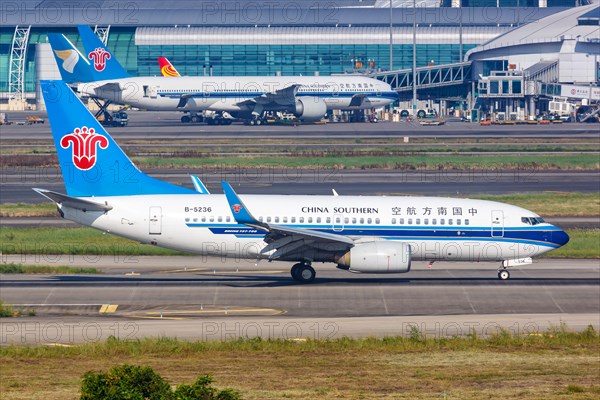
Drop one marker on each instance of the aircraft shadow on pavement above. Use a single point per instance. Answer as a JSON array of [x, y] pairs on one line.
[[251, 280]]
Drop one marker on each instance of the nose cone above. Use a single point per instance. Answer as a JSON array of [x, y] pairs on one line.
[[560, 238]]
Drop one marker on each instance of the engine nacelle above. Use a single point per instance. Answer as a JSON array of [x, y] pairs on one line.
[[310, 108], [379, 257]]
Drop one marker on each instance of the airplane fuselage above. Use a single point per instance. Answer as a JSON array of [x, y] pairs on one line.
[[436, 228], [229, 93]]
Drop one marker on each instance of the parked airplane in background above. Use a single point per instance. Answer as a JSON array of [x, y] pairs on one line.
[[363, 234], [166, 68], [307, 97]]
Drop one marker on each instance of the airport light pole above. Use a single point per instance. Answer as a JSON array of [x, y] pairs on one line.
[[391, 38], [414, 66]]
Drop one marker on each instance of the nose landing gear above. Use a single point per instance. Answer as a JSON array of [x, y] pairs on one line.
[[503, 274]]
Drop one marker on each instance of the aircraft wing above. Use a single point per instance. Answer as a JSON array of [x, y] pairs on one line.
[[285, 96], [183, 100], [358, 99], [285, 240]]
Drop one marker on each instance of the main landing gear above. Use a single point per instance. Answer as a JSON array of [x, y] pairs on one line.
[[303, 273], [503, 274]]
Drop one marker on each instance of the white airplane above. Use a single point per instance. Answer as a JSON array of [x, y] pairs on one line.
[[363, 234], [307, 97]]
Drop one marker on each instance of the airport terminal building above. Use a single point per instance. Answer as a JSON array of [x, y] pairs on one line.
[[267, 37]]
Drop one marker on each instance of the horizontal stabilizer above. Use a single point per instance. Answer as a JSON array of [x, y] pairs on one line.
[[198, 185], [73, 202]]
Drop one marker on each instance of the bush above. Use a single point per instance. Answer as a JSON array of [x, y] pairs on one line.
[[130, 382], [201, 390], [125, 382]]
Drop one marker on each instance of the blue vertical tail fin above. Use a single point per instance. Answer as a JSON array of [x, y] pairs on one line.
[[105, 64], [73, 66], [92, 163]]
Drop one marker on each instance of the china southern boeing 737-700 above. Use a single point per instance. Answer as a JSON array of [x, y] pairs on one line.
[[363, 234]]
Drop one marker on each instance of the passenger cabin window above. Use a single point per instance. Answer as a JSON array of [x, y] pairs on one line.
[[301, 220], [195, 219], [346, 220], [276, 219], [220, 219], [442, 221], [362, 220], [377, 221], [458, 222], [328, 220], [293, 220], [410, 221], [467, 222], [426, 221], [310, 220], [418, 222], [450, 221], [284, 220], [434, 221], [187, 220], [318, 220], [203, 219], [228, 219], [337, 220], [369, 221], [212, 219], [268, 219], [354, 220], [393, 221]]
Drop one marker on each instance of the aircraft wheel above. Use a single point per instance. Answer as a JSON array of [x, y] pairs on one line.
[[503, 274], [185, 119], [252, 122], [305, 274], [258, 122], [294, 271], [195, 119]]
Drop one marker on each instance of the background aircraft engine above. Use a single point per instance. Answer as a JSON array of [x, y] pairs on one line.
[[310, 108], [380, 257]]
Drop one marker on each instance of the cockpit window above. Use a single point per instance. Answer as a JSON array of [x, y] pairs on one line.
[[532, 220]]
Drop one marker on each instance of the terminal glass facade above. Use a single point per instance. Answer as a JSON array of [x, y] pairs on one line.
[[291, 59]]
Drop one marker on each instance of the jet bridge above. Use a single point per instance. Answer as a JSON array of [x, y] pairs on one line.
[[427, 77]]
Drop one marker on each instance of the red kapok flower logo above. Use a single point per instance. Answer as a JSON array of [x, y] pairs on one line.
[[99, 56], [85, 143]]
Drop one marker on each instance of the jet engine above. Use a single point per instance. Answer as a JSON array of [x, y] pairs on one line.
[[310, 108], [379, 257]]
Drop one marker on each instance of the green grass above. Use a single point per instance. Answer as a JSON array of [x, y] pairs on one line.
[[547, 365], [71, 241], [453, 161], [13, 268], [8, 311], [9, 210], [551, 204], [584, 243]]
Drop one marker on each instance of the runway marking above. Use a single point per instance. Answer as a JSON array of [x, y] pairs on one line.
[[159, 317], [385, 307], [58, 345], [170, 271], [108, 308]]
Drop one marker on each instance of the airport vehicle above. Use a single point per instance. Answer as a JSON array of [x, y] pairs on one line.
[[307, 97], [116, 118], [362, 234]]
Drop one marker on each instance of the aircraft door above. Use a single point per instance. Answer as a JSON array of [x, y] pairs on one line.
[[337, 223], [150, 91], [155, 220], [497, 223]]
